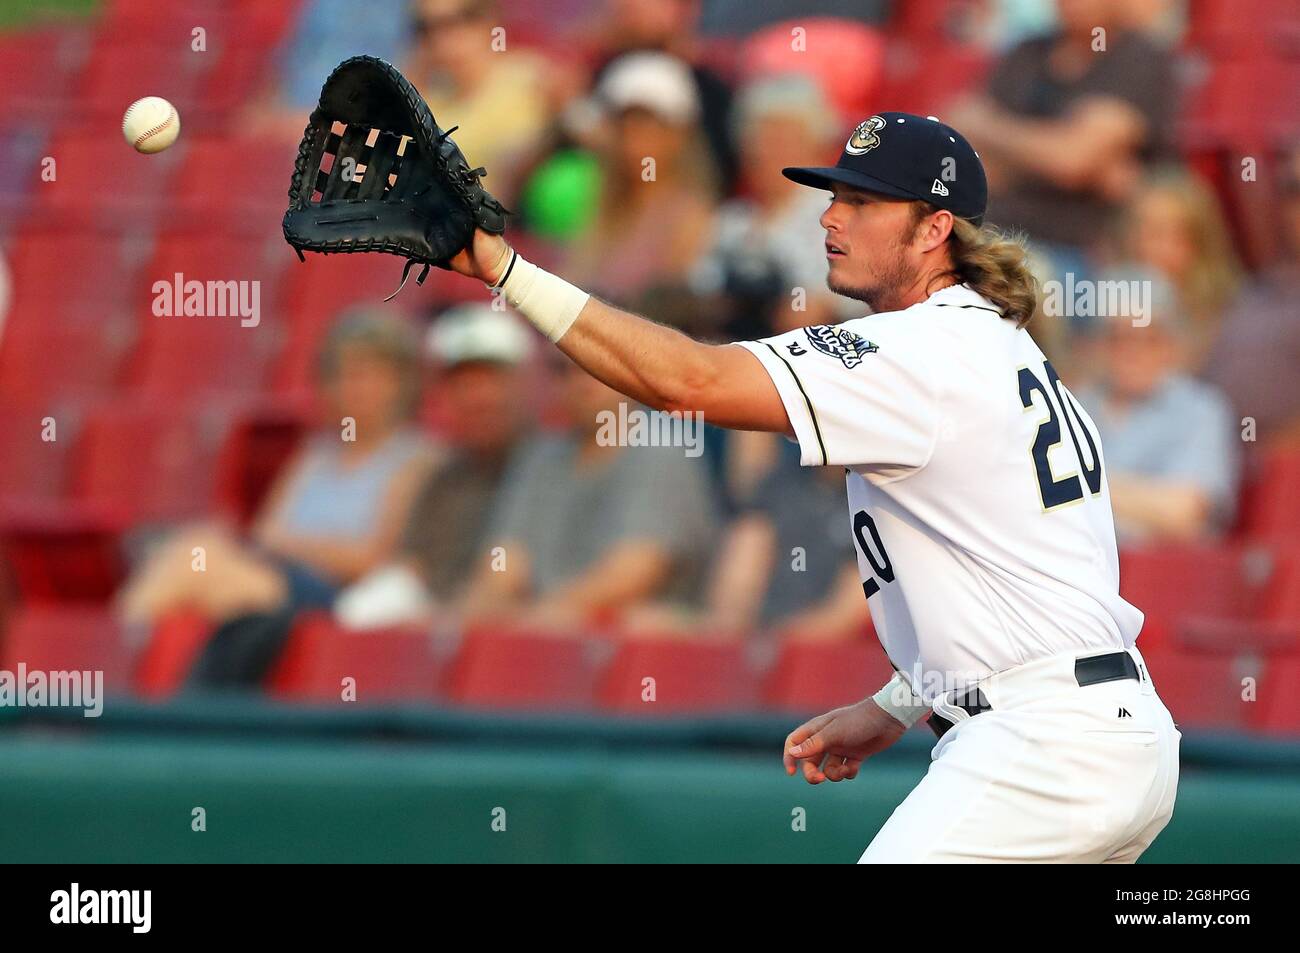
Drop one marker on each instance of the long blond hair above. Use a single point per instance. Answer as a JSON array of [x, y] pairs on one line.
[[994, 265], [1215, 275]]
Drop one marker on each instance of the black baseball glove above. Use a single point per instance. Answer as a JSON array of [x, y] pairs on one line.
[[375, 174]]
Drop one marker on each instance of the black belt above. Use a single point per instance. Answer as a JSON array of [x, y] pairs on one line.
[[1092, 670]]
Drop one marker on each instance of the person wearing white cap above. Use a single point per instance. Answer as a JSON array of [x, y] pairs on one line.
[[477, 334], [479, 353], [653, 209]]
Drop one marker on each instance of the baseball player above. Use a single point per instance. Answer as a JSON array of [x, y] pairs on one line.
[[977, 498]]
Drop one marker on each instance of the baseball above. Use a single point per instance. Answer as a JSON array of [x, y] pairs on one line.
[[151, 124]]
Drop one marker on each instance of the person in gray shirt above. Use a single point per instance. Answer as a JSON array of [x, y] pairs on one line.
[[1172, 445], [594, 520]]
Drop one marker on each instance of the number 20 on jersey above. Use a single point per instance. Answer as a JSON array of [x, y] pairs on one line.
[[1059, 405]]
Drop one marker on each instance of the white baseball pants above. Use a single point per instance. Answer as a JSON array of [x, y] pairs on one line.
[[1054, 773]]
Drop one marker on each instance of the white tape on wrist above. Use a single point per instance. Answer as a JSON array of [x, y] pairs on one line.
[[899, 701], [550, 302]]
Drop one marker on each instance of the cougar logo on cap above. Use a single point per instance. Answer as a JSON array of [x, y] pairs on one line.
[[864, 138]]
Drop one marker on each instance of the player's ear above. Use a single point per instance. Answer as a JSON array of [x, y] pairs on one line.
[[935, 229]]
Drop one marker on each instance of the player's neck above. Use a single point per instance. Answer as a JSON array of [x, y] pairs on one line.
[[926, 284]]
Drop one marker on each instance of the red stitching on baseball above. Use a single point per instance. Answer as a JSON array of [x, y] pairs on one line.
[[156, 129]]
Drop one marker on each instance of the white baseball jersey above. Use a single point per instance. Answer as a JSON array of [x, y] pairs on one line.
[[976, 486]]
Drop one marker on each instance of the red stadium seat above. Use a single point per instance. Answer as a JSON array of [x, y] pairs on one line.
[[121, 70], [186, 357], [1281, 602], [63, 277], [173, 648], [387, 664], [1272, 622], [815, 677], [37, 71], [143, 21], [1204, 690], [226, 21], [1231, 27], [688, 677], [926, 76], [98, 179], [256, 449], [1224, 108], [34, 467], [148, 460], [1156, 580], [67, 639], [266, 24], [39, 361], [1280, 704], [240, 74], [933, 19], [210, 83], [931, 60], [845, 57], [57, 553], [1272, 507], [238, 184], [513, 669]]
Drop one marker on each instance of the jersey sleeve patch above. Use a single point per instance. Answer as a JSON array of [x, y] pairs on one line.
[[838, 342], [850, 401]]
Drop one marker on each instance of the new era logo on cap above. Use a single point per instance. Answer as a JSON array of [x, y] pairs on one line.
[[910, 157]]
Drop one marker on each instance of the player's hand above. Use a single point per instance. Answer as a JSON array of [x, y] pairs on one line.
[[485, 257], [833, 746]]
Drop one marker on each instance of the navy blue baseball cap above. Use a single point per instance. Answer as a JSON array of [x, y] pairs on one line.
[[908, 157]]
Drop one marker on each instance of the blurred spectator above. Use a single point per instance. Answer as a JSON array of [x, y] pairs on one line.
[[328, 32], [787, 565], [771, 242], [1174, 225], [1170, 441], [1163, 21], [1066, 127], [768, 244], [669, 26], [1256, 358], [588, 526], [325, 33], [999, 25], [499, 95], [653, 208], [334, 514], [480, 352]]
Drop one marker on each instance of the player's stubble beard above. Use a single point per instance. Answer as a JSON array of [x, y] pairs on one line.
[[886, 278]]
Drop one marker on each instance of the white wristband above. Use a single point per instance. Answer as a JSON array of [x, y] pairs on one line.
[[900, 702], [550, 302]]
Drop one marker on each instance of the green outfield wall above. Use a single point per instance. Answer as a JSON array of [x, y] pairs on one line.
[[397, 786]]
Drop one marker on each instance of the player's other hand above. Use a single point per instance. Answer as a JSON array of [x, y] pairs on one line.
[[484, 259], [832, 747]]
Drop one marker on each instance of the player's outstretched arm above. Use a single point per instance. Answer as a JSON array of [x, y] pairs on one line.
[[653, 364]]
